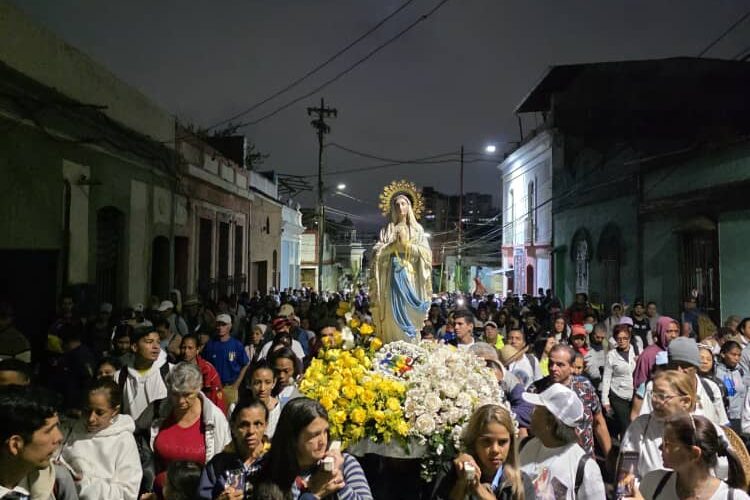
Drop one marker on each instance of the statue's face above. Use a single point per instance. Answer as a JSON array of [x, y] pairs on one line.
[[402, 205]]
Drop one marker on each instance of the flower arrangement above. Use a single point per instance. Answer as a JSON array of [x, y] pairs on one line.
[[413, 393], [444, 389], [360, 402]]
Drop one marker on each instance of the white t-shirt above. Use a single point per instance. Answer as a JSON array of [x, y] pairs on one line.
[[273, 419], [669, 491], [524, 371], [296, 349], [553, 472]]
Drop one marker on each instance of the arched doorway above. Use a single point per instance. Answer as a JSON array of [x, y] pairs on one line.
[[110, 226], [530, 279]]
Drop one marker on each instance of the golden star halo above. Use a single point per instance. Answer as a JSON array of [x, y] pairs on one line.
[[402, 187]]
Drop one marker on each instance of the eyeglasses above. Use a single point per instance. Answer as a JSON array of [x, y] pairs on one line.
[[662, 396], [622, 339]]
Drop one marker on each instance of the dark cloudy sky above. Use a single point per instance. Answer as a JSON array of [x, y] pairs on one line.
[[454, 79]]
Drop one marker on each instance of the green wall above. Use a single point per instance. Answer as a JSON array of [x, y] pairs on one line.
[[594, 218], [661, 265], [734, 263]]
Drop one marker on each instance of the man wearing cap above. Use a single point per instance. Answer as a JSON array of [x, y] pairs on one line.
[[593, 423], [198, 318], [281, 326], [139, 319], [557, 465], [684, 356], [226, 353], [491, 336], [176, 323]]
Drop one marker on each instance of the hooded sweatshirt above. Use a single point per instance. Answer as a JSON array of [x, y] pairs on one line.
[[107, 460], [647, 359]]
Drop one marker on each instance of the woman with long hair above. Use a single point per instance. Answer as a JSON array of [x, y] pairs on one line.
[[259, 384], [691, 447], [300, 460], [488, 466], [617, 380], [101, 450], [232, 471], [560, 329], [287, 367]]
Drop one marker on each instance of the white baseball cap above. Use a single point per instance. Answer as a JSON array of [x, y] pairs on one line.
[[167, 304], [560, 401], [224, 318]]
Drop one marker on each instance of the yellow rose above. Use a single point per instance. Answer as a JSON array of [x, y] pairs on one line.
[[393, 404], [338, 417], [368, 397], [379, 416], [376, 344], [366, 329], [358, 415], [326, 402], [354, 323], [349, 391]]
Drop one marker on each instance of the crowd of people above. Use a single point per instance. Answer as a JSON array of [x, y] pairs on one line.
[[198, 399]]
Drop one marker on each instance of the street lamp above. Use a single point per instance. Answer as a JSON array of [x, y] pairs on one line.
[[490, 148], [341, 186]]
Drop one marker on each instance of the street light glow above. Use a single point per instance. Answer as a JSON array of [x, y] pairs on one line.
[[341, 187], [490, 148], [427, 235]]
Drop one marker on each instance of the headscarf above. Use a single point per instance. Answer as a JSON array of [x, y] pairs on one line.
[[646, 361]]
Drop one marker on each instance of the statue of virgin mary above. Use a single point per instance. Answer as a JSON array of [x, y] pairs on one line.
[[401, 273]]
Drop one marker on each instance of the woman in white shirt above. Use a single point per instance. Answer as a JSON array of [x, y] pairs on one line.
[[101, 450], [617, 381], [674, 393], [691, 447]]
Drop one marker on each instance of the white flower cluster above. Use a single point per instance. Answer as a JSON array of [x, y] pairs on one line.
[[444, 389]]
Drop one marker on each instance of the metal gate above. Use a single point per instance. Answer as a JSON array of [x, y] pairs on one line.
[[699, 270]]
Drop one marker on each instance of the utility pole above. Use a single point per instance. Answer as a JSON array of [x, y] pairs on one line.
[[459, 270], [322, 127]]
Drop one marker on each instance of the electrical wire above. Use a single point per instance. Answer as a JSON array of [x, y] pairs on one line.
[[349, 69], [725, 33], [316, 69]]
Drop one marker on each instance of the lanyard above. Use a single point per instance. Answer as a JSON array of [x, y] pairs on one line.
[[496, 480]]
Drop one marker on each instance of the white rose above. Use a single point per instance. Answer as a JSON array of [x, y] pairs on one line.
[[450, 390], [425, 425], [432, 403]]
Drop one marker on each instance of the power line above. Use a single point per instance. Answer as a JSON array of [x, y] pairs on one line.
[[725, 33], [312, 71], [377, 49]]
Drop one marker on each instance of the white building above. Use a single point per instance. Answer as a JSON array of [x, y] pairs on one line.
[[527, 215], [291, 242]]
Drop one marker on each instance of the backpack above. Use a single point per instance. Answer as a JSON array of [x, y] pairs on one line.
[[142, 433]]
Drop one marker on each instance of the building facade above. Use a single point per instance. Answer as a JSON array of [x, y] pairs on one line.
[[649, 160], [527, 215]]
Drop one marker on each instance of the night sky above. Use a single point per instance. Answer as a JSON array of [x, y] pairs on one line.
[[453, 79]]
